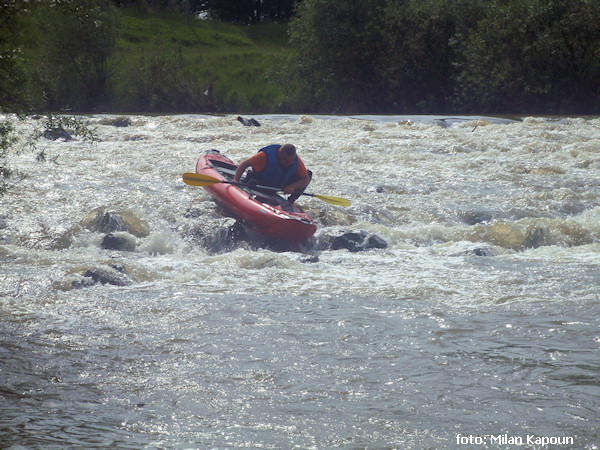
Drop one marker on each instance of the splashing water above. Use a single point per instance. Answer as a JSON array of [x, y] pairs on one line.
[[479, 318]]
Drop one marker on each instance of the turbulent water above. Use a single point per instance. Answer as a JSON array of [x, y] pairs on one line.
[[477, 326]]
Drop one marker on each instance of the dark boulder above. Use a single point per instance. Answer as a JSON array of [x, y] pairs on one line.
[[354, 241], [56, 133], [479, 251], [476, 217], [120, 242], [310, 259], [116, 121], [225, 238], [248, 122], [108, 220], [103, 276]]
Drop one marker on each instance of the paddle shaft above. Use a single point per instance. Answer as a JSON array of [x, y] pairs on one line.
[[196, 179], [259, 187], [252, 186]]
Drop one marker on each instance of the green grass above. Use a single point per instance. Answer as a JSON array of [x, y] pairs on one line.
[[140, 32], [163, 64], [235, 61]]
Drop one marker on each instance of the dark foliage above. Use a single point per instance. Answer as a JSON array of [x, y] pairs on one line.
[[248, 11], [79, 38], [378, 56], [416, 56]]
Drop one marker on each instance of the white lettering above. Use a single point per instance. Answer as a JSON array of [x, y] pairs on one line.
[[505, 439], [515, 440], [470, 440], [544, 441], [499, 439]]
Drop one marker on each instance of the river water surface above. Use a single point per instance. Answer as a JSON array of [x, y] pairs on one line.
[[479, 323]]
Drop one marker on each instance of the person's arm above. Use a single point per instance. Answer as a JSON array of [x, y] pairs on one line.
[[300, 184], [241, 169]]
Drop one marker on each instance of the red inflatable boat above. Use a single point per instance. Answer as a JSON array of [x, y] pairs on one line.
[[266, 212]]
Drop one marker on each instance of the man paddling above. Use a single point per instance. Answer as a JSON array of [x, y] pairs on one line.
[[277, 166]]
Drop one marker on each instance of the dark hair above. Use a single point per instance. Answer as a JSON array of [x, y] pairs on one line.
[[288, 149]]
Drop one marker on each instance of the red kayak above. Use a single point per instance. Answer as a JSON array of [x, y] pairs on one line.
[[266, 212]]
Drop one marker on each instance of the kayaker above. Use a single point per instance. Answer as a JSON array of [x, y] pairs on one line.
[[277, 166]]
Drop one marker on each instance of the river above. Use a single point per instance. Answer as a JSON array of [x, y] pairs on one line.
[[477, 325]]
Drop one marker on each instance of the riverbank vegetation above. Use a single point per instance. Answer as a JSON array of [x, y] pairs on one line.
[[360, 56]]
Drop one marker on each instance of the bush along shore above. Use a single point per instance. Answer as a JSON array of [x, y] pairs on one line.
[[366, 56]]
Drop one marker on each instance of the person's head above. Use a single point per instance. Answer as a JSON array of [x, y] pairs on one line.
[[287, 154]]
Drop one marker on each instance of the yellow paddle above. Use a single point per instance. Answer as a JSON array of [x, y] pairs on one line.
[[197, 179]]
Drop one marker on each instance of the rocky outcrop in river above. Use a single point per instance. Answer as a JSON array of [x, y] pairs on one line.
[[354, 241], [108, 220]]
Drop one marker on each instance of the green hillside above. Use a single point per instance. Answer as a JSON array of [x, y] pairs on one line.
[[165, 64], [143, 62], [428, 56]]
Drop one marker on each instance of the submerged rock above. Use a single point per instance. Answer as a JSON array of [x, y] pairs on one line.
[[354, 241], [108, 220], [122, 242], [217, 236], [476, 217], [537, 236], [480, 251], [226, 237], [248, 122], [116, 121], [309, 259], [56, 133], [96, 275]]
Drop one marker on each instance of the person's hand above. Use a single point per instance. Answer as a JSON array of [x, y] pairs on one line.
[[288, 189]]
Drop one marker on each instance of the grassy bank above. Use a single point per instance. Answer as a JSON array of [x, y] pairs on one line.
[[429, 57], [162, 63]]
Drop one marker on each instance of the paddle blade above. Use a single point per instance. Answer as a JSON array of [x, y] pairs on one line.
[[196, 179], [333, 200]]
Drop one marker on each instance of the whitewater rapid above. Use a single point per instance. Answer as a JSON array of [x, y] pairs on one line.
[[491, 273]]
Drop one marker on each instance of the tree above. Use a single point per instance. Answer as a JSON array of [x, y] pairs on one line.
[[536, 56], [247, 11], [13, 78], [337, 44], [13, 83], [415, 63], [79, 38]]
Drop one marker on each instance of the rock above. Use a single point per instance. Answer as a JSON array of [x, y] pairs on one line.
[[116, 121], [374, 241], [83, 283], [354, 241], [121, 242], [107, 220], [476, 217], [110, 222], [194, 213], [537, 236], [119, 267], [100, 275], [248, 122], [481, 251], [309, 259], [225, 237], [57, 133]]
